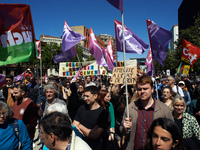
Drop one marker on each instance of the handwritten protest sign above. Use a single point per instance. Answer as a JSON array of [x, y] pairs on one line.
[[119, 78]]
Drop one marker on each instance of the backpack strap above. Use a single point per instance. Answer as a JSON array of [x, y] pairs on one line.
[[16, 130]]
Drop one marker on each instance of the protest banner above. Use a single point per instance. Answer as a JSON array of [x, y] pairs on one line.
[[17, 37], [119, 78], [89, 68]]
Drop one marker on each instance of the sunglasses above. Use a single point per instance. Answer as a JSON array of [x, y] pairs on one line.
[[8, 80]]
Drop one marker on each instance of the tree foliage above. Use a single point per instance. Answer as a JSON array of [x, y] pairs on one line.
[[48, 51]]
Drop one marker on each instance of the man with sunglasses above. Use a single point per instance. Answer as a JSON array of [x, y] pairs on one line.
[[7, 90]]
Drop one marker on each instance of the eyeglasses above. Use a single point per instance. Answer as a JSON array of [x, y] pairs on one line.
[[8, 80], [181, 84]]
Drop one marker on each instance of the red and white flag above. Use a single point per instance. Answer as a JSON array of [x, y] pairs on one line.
[[38, 46], [149, 63], [110, 56], [191, 53]]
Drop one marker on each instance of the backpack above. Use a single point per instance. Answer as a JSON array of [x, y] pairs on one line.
[[16, 130]]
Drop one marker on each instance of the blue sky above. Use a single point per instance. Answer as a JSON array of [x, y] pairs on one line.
[[49, 16]]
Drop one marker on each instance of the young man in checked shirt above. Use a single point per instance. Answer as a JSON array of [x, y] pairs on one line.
[[142, 113]]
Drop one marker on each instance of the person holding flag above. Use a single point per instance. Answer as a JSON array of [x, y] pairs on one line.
[[142, 113]]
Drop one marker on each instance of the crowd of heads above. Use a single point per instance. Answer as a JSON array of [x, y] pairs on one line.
[[57, 122]]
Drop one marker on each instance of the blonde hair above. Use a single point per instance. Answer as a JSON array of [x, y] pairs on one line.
[[178, 99]]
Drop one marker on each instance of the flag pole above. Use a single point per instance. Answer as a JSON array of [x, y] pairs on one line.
[[154, 74], [125, 64], [40, 76], [37, 73]]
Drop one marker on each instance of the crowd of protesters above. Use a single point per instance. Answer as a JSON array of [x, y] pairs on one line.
[[91, 113]]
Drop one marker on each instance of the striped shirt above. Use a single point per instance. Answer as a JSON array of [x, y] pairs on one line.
[[144, 120]]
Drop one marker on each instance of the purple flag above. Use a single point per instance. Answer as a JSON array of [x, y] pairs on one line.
[[96, 50], [149, 63], [133, 43], [64, 56], [159, 39], [19, 77], [70, 38], [117, 4], [2, 79]]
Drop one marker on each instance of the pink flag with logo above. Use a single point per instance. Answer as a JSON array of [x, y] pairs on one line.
[[2, 79], [110, 51], [96, 50], [110, 56], [38, 46], [149, 63]]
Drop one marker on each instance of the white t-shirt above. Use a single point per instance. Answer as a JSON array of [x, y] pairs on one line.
[[180, 91], [90, 84]]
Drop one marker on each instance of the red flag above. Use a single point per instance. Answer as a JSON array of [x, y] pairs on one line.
[[190, 52], [17, 34]]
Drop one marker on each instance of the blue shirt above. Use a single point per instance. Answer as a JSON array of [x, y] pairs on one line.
[[8, 139]]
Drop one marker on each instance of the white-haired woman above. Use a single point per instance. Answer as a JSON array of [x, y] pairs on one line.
[[187, 123]]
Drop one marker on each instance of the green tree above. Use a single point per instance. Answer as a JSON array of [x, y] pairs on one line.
[[192, 35], [90, 58], [80, 55], [48, 51]]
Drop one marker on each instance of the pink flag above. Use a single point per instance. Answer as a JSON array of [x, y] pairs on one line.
[[149, 63], [38, 46], [110, 51], [96, 50], [77, 74], [110, 56], [19, 77], [2, 79]]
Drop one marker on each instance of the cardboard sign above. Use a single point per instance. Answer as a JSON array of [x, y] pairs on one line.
[[119, 78]]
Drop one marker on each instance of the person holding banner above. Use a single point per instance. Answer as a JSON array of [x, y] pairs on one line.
[[142, 113]]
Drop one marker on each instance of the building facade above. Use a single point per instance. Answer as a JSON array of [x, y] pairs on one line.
[[175, 36], [106, 38], [86, 32], [50, 39]]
